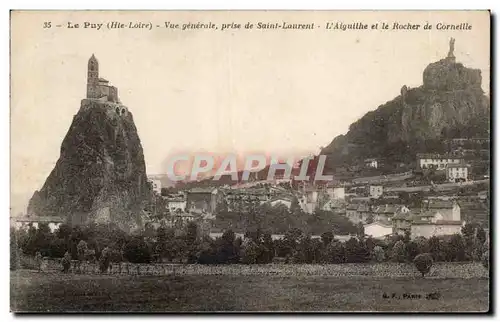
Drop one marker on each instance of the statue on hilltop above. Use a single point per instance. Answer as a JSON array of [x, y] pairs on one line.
[[452, 49]]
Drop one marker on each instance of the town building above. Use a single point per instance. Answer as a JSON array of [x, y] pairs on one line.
[[357, 213], [242, 199], [449, 209], [425, 223], [436, 161], [175, 203], [386, 212], [434, 228], [401, 223], [335, 205], [435, 218], [53, 222], [371, 163], [475, 211], [376, 191], [179, 219], [457, 172], [378, 229], [202, 200], [336, 192], [281, 200], [309, 199]]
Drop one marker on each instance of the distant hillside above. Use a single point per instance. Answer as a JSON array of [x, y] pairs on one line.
[[449, 104]]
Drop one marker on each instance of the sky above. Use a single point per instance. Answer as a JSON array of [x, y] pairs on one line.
[[234, 91]]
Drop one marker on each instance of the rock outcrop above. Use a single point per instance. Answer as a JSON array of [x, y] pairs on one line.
[[100, 175], [449, 104]]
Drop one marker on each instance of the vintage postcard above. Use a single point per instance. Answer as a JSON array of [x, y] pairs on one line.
[[250, 161]]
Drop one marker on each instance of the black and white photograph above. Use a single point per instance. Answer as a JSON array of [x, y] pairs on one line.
[[250, 161]]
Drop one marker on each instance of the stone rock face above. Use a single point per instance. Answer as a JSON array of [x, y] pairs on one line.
[[449, 104], [446, 75], [100, 174]]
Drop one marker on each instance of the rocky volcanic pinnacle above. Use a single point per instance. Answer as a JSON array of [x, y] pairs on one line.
[[449, 104], [100, 174]]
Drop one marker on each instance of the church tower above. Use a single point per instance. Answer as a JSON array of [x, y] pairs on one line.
[[93, 78]]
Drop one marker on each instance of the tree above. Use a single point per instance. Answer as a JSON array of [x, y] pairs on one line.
[[360, 230], [149, 231], [355, 251], [266, 246], [399, 252], [434, 247], [226, 250], [207, 253], [178, 249], [481, 235], [378, 254], [137, 251], [411, 250], [63, 231], [14, 250], [66, 262], [290, 241], [38, 240], [407, 237], [423, 262], [104, 260], [456, 248], [250, 252], [485, 259], [57, 248], [327, 238], [81, 248], [422, 245], [191, 239], [335, 252], [303, 252], [469, 233]]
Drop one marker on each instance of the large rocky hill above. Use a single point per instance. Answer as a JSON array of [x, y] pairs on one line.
[[100, 174], [449, 104]]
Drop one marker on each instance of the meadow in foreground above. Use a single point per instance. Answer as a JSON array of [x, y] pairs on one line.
[[33, 291]]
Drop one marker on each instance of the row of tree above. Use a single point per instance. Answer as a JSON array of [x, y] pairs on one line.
[[107, 243]]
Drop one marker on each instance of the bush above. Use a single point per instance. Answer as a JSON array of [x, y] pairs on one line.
[[423, 263], [250, 252]]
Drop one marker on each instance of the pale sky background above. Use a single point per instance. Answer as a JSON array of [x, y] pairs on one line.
[[284, 92]]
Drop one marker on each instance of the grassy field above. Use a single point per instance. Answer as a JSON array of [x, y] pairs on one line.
[[47, 292]]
